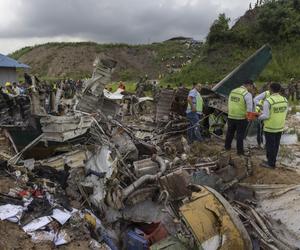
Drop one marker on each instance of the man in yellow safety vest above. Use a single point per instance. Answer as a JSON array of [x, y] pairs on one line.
[[240, 103], [274, 114]]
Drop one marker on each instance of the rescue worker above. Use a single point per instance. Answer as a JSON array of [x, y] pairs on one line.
[[297, 85], [240, 103], [121, 86], [16, 88], [291, 90], [258, 103], [9, 90], [155, 92], [194, 113], [274, 115], [216, 123]]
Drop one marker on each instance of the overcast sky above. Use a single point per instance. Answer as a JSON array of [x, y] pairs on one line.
[[29, 22]]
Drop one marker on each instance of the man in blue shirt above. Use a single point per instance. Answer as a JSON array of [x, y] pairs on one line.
[[194, 113]]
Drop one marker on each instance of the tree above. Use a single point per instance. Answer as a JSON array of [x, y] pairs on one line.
[[219, 30], [296, 5]]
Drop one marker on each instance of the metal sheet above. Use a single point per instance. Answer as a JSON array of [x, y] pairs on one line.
[[146, 166], [213, 223], [164, 104], [248, 70], [8, 62]]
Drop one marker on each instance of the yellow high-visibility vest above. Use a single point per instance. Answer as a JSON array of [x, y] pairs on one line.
[[278, 112], [237, 108]]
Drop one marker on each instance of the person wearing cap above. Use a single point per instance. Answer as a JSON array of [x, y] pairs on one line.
[[258, 103], [9, 90], [274, 114], [240, 104]]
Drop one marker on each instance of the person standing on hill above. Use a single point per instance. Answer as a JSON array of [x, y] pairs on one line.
[[274, 115], [240, 103]]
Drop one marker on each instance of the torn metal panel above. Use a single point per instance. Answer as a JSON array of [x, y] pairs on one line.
[[110, 107], [213, 221], [156, 212], [7, 146], [63, 128], [36, 107], [142, 194], [176, 184], [248, 70], [164, 104], [72, 159], [91, 98], [146, 166], [219, 103], [124, 144]]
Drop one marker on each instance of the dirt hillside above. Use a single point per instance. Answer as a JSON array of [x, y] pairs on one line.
[[75, 59]]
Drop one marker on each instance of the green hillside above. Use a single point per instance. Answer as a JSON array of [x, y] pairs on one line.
[[274, 22]]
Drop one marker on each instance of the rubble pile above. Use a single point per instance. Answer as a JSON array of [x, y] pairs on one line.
[[122, 180]]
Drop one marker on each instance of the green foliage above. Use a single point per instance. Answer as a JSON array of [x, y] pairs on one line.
[[219, 31], [127, 74], [276, 22], [279, 21]]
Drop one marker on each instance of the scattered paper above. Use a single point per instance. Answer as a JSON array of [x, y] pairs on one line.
[[37, 224], [62, 216], [8, 211]]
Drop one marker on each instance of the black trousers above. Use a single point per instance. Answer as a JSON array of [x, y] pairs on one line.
[[272, 147], [239, 127]]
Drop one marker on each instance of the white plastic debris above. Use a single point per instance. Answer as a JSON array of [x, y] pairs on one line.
[[37, 224], [62, 216], [8, 211]]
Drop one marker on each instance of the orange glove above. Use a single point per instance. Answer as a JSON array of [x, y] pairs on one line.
[[251, 116]]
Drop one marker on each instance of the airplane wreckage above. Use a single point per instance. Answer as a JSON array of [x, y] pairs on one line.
[[117, 170]]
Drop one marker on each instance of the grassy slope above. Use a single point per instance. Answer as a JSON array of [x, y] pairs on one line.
[[276, 23], [215, 63]]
